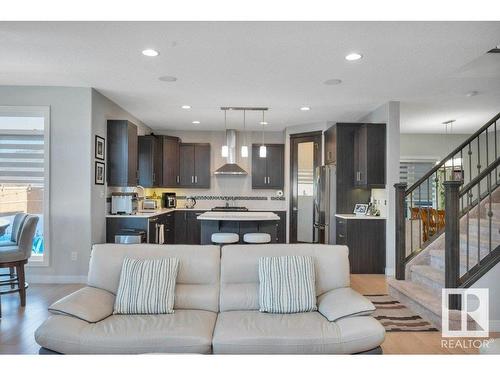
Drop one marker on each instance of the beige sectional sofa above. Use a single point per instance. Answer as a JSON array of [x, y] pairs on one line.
[[216, 307]]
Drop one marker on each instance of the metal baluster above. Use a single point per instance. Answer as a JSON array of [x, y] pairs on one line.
[[496, 152], [490, 212], [478, 222], [470, 162], [487, 151], [462, 165], [428, 209], [420, 216], [478, 156], [411, 223], [468, 228], [436, 192]]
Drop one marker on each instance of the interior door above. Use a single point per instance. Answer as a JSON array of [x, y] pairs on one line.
[[186, 164], [305, 157]]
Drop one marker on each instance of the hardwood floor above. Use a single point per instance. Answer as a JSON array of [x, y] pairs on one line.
[[18, 324]]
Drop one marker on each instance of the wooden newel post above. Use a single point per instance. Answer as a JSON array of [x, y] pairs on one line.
[[400, 230], [452, 239]]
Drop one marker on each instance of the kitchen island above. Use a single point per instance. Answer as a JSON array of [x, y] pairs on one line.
[[238, 222]]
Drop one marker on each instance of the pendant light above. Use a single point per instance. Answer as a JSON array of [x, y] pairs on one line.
[[244, 148], [263, 148], [225, 149]]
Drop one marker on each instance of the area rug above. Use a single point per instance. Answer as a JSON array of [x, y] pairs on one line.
[[396, 317]]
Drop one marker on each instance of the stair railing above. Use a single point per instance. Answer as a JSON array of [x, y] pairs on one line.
[[420, 209]]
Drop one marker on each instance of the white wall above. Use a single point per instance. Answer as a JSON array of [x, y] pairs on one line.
[[230, 185], [389, 114], [492, 281], [429, 146], [70, 175], [104, 109]]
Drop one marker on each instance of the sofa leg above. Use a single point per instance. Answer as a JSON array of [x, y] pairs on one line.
[[377, 350]]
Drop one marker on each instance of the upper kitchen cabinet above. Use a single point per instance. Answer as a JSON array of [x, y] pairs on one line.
[[150, 161], [369, 156], [330, 145], [194, 165], [268, 172], [122, 153], [171, 175]]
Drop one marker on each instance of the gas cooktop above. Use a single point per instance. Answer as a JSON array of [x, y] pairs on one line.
[[224, 208]]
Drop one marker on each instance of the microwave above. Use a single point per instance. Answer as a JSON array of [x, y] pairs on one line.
[[124, 203]]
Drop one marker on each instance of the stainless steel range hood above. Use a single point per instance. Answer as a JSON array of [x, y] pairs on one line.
[[231, 168]]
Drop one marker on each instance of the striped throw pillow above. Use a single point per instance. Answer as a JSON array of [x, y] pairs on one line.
[[147, 286], [287, 284]]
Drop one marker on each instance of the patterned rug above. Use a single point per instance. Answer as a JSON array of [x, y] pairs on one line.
[[396, 317]]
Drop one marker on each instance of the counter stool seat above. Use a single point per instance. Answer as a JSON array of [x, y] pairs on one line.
[[257, 238], [225, 238]]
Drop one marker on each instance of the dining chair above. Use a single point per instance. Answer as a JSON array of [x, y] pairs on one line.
[[16, 256]]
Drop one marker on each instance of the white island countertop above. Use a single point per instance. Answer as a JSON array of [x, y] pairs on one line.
[[359, 217], [238, 216]]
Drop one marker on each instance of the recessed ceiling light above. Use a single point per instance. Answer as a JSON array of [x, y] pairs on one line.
[[196, 122], [333, 81], [167, 78], [185, 106], [263, 123], [471, 93], [150, 52], [353, 56], [305, 108]]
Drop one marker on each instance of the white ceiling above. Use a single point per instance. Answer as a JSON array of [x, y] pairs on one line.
[[428, 66]]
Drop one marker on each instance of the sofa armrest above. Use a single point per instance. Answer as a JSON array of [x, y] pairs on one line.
[[342, 303], [88, 304]]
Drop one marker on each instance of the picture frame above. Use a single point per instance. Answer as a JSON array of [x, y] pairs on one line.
[[360, 209], [100, 148], [100, 173]]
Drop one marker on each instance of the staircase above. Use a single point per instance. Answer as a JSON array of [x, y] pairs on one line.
[[472, 217]]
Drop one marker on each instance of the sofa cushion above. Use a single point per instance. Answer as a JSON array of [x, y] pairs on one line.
[[286, 284], [184, 331], [240, 270], [344, 302], [197, 285], [253, 332], [88, 304], [146, 286]]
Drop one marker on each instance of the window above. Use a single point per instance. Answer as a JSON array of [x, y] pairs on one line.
[[24, 172], [410, 172]]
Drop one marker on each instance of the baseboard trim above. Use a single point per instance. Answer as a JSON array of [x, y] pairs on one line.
[[43, 279]]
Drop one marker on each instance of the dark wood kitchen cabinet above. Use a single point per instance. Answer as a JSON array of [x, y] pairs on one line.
[[187, 227], [369, 156], [330, 145], [194, 165], [268, 172], [171, 175], [150, 161], [122, 153], [366, 241]]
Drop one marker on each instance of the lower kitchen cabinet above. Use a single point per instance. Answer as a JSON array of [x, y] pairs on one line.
[[165, 223], [187, 227], [366, 241]]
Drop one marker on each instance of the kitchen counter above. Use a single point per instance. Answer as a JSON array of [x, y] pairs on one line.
[[238, 216], [144, 214], [359, 217]]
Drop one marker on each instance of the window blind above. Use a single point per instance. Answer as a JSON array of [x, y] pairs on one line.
[[22, 159]]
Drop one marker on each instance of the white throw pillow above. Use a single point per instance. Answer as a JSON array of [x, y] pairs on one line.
[[147, 286], [287, 284]]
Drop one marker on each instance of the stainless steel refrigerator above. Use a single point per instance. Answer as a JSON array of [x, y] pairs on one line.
[[325, 198]]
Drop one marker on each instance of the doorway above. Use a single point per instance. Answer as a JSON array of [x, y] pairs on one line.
[[305, 156]]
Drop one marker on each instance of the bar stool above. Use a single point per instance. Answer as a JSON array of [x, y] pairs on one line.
[[17, 223], [225, 238], [257, 238], [16, 256]]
